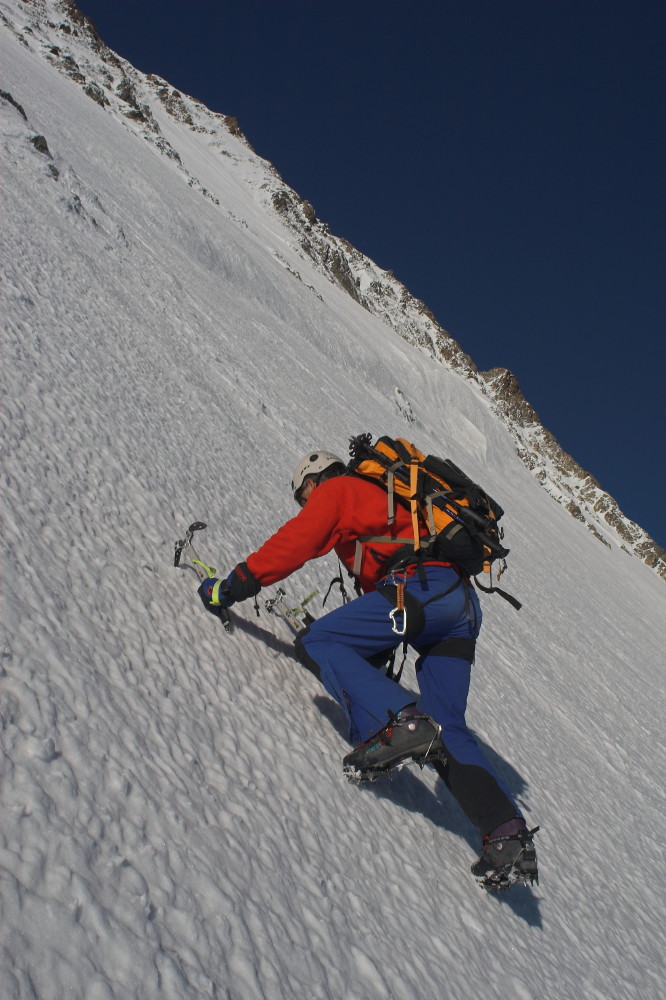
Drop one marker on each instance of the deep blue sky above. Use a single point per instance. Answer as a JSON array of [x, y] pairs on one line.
[[505, 158]]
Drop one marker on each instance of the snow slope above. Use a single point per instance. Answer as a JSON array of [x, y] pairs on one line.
[[175, 822]]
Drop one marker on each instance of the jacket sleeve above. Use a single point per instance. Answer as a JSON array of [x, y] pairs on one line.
[[312, 533]]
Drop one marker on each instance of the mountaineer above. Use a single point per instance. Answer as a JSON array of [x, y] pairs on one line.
[[428, 602]]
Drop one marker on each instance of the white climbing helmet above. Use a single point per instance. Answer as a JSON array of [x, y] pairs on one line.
[[313, 465]]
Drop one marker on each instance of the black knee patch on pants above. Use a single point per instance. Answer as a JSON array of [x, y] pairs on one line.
[[477, 793], [304, 657]]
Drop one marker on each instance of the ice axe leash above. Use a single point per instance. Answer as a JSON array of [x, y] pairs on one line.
[[298, 618], [200, 568]]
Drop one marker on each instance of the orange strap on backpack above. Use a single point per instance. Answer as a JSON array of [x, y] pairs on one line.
[[413, 486]]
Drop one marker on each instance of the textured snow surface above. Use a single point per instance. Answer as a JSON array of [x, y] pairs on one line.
[[175, 823]]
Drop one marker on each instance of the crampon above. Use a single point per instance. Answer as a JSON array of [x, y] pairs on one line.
[[410, 737], [507, 861], [372, 773]]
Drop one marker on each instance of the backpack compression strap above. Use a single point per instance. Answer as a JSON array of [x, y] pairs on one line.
[[413, 486], [380, 540], [513, 601]]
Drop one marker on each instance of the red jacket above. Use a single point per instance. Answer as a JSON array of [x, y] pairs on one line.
[[337, 512]]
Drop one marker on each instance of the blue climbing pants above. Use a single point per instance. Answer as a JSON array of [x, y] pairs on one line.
[[342, 643]]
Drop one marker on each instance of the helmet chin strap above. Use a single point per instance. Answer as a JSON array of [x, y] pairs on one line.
[[309, 484]]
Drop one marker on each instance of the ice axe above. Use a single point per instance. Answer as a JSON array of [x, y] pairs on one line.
[[200, 568]]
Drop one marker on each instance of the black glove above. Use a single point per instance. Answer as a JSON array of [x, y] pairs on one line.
[[214, 594], [217, 594]]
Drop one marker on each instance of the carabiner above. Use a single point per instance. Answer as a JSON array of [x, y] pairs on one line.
[[398, 630]]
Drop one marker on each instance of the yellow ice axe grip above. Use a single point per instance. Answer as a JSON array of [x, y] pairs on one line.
[[210, 570]]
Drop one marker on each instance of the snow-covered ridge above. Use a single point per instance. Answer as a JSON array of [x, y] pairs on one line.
[[69, 40], [385, 296]]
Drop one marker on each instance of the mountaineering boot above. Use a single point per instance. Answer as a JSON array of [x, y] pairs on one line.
[[508, 857], [410, 733]]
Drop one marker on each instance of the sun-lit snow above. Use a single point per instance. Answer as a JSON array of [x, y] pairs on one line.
[[175, 822]]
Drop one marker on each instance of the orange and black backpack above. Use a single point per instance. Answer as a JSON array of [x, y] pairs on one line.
[[460, 518]]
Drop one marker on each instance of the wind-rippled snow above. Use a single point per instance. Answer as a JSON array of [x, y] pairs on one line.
[[175, 822]]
